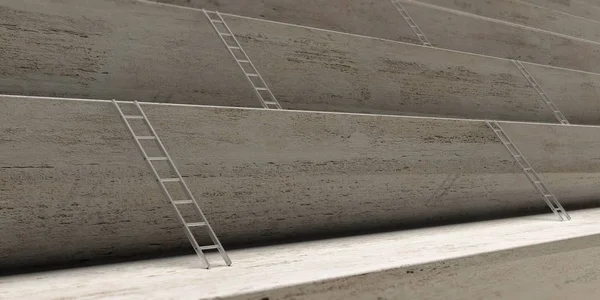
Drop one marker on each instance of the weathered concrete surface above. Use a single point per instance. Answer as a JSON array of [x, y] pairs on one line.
[[559, 270], [316, 70], [564, 156], [116, 49], [445, 29], [365, 17], [476, 35], [528, 14], [576, 94], [73, 184], [183, 61], [308, 264], [584, 9]]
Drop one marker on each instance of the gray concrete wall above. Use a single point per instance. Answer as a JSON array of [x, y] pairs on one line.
[[72, 183], [584, 9], [576, 94], [555, 151], [475, 35], [182, 61], [316, 70], [449, 29], [365, 17], [116, 49], [528, 14]]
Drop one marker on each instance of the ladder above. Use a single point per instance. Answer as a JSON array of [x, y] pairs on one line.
[[531, 174], [411, 23], [561, 118], [261, 89], [177, 179]]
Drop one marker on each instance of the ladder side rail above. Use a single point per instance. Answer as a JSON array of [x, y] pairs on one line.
[[182, 220], [133, 134], [557, 113], [531, 174], [548, 195], [212, 234], [249, 62], [163, 188], [140, 147], [538, 183], [256, 92], [524, 166], [246, 58], [411, 23]]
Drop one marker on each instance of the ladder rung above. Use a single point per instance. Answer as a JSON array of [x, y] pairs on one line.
[[216, 21], [195, 224], [234, 47], [170, 179], [527, 169], [251, 74], [211, 247], [177, 202], [243, 61], [270, 103], [261, 89], [547, 195], [157, 158], [225, 34], [134, 117], [145, 137]]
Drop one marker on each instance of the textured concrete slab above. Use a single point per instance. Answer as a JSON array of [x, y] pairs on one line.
[[527, 14], [317, 70], [456, 30], [397, 265], [308, 69], [576, 94], [70, 176], [116, 49], [564, 156], [558, 270], [474, 34], [585, 9], [362, 17]]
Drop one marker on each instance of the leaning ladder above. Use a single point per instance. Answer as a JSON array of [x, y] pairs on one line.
[[561, 118], [261, 89], [187, 226], [411, 23], [531, 174]]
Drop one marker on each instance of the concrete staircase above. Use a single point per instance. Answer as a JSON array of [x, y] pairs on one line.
[[321, 167]]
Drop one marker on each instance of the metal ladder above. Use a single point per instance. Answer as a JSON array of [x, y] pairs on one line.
[[259, 85], [411, 23], [533, 177], [187, 226], [561, 118]]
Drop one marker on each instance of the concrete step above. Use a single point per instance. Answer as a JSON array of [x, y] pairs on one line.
[[71, 175], [429, 263]]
